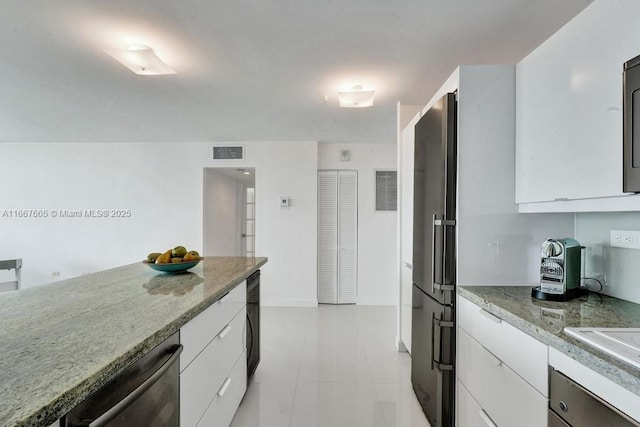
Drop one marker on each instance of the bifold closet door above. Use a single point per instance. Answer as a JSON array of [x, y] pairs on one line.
[[337, 237]]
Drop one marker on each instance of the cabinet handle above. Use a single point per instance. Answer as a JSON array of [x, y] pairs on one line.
[[485, 417], [490, 316], [224, 331], [224, 387], [409, 266], [224, 298], [496, 361]]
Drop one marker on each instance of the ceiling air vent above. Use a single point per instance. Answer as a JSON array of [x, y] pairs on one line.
[[228, 152]]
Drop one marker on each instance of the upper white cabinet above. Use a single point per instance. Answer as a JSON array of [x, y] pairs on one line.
[[569, 113]]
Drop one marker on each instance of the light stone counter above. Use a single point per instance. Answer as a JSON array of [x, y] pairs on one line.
[[546, 320], [61, 342]]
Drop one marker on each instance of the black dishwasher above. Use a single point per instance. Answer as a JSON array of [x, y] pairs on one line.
[[571, 405], [147, 393], [253, 323]]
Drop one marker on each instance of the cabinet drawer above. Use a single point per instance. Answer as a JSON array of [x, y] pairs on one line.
[[202, 379], [228, 397], [469, 413], [505, 397], [203, 328], [520, 351]]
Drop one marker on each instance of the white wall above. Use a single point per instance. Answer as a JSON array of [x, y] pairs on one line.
[[496, 245], [377, 231], [162, 185], [617, 268]]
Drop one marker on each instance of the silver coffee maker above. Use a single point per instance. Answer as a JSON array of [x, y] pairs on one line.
[[560, 270]]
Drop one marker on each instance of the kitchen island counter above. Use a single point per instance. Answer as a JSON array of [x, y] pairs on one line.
[[546, 320], [63, 341]]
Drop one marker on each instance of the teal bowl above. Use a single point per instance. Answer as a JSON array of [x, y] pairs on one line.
[[178, 267]]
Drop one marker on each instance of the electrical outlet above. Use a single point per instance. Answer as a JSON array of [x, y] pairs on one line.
[[625, 239]]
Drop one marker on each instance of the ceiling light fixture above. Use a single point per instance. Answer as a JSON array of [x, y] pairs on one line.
[[356, 97], [141, 60]]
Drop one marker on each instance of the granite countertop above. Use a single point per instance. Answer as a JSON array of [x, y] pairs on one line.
[[63, 341], [546, 320]]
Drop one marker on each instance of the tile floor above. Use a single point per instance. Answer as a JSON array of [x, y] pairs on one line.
[[335, 365]]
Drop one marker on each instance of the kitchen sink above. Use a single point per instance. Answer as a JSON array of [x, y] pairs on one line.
[[623, 343]]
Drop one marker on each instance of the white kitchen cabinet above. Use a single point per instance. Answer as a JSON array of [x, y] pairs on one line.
[[203, 328], [504, 370], [214, 343], [524, 354], [228, 397], [569, 113], [469, 412]]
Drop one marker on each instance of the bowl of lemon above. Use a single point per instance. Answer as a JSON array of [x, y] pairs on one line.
[[176, 260]]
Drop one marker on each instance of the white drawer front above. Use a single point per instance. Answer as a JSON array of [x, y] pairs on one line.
[[202, 379], [469, 413], [507, 399], [523, 353], [227, 399], [200, 330]]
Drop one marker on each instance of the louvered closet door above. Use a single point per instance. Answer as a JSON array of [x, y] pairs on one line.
[[337, 236], [327, 237]]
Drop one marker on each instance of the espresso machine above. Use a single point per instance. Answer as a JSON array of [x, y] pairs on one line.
[[560, 270]]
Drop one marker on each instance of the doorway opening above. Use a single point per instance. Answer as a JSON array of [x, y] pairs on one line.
[[229, 212]]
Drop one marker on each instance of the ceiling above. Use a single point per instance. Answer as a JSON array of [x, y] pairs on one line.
[[248, 70]]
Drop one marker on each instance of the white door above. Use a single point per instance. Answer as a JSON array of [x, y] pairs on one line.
[[337, 237]]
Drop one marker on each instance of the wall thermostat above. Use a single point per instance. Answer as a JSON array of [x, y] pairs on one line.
[[284, 201]]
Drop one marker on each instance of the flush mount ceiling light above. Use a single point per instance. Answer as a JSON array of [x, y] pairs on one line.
[[141, 60], [356, 97]]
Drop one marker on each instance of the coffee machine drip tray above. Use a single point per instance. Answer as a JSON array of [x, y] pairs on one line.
[[622, 343], [568, 295]]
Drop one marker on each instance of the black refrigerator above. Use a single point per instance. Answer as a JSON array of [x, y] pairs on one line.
[[434, 263]]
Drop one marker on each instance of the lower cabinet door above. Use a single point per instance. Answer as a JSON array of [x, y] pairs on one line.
[[469, 413], [206, 374], [223, 407], [507, 398]]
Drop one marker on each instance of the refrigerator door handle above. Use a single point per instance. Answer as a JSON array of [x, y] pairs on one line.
[[434, 283], [440, 324], [433, 265]]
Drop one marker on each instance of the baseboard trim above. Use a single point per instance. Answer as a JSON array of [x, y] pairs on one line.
[[375, 301], [400, 346], [286, 302]]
